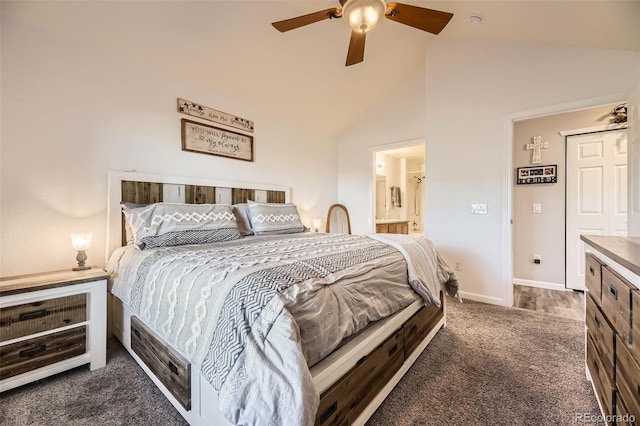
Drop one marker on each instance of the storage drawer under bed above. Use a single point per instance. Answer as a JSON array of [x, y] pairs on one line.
[[31, 354], [418, 326], [171, 368], [345, 400]]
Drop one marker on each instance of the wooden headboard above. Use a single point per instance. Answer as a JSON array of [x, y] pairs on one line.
[[142, 188]]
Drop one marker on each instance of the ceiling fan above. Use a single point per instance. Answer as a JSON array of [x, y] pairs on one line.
[[363, 15]]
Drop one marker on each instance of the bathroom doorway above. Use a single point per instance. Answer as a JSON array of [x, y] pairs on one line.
[[399, 187]]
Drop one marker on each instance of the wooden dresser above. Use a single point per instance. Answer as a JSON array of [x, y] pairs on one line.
[[612, 319], [50, 323], [396, 227]]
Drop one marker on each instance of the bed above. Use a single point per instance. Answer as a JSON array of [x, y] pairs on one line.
[[273, 328]]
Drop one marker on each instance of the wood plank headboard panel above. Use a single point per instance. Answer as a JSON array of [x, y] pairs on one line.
[[142, 188]]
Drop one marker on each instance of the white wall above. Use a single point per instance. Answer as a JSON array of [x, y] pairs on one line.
[[471, 89], [398, 119], [71, 112], [461, 107]]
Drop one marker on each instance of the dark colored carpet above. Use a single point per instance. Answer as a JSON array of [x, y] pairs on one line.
[[490, 366]]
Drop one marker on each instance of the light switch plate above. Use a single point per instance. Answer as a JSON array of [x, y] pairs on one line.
[[479, 209], [537, 208]]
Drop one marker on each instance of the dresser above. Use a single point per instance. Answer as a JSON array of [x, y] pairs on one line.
[[393, 227], [50, 323], [612, 320]]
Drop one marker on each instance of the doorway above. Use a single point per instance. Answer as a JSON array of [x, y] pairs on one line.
[[399, 185], [538, 236]]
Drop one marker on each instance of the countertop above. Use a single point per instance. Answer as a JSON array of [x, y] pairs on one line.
[[624, 250], [386, 221]]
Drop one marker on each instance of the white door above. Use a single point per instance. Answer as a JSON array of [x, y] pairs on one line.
[[596, 195]]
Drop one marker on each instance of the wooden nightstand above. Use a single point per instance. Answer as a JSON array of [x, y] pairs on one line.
[[50, 323]]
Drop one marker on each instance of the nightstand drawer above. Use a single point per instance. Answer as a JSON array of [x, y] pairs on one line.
[[628, 378], [616, 302], [603, 335], [30, 318], [18, 358], [171, 368], [593, 277]]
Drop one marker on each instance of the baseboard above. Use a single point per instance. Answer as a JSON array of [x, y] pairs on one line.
[[481, 298], [539, 284]]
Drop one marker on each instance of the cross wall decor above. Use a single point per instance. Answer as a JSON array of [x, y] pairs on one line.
[[536, 147]]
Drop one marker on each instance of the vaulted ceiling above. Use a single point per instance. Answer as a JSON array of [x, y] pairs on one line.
[[231, 48]]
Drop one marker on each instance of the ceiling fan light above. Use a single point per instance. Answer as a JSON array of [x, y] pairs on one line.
[[363, 15]]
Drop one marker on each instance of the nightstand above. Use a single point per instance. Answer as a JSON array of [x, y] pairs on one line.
[[51, 322]]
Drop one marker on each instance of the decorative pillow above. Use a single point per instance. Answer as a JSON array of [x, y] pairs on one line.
[[168, 224], [242, 217], [269, 219], [124, 205]]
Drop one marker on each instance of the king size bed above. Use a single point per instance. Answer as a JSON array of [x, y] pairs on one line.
[[239, 316]]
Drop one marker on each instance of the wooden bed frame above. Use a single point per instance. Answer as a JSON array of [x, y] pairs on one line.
[[352, 381]]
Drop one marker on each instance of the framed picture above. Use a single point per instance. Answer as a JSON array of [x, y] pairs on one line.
[[537, 174], [206, 139]]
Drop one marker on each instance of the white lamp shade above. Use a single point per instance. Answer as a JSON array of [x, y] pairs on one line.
[[363, 15], [81, 240]]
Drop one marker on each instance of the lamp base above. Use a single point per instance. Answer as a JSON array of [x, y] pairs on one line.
[[81, 268]]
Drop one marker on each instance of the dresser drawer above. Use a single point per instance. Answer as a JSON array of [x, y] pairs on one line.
[[605, 390], [635, 327], [171, 368], [593, 277], [623, 417], [343, 402], [418, 326], [616, 301], [30, 318], [21, 357], [603, 335], [628, 378]]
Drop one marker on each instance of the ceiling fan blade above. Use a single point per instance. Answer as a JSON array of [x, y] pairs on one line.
[[432, 21], [301, 21], [355, 54], [342, 2]]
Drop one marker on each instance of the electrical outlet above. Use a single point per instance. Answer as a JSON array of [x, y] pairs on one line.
[[458, 266], [537, 259], [479, 209]]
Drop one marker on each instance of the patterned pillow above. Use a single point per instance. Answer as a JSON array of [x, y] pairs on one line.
[[127, 228], [168, 224], [269, 219], [242, 217]]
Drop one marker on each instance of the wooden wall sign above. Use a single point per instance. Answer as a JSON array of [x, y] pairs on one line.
[[539, 174], [199, 137], [195, 110]]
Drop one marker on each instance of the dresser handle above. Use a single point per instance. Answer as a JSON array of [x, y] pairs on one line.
[[32, 351], [614, 292], [413, 329], [592, 271], [597, 321], [33, 315], [328, 412], [595, 364], [136, 332], [638, 390], [173, 367]]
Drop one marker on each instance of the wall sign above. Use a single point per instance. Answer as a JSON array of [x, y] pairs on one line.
[[196, 110], [199, 137], [539, 174]]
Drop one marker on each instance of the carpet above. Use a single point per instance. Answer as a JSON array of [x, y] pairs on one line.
[[490, 366]]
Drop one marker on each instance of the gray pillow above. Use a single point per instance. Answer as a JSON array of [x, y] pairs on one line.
[[269, 219], [242, 217], [169, 224], [128, 233]]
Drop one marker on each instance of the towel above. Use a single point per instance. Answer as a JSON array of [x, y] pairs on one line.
[[395, 196]]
